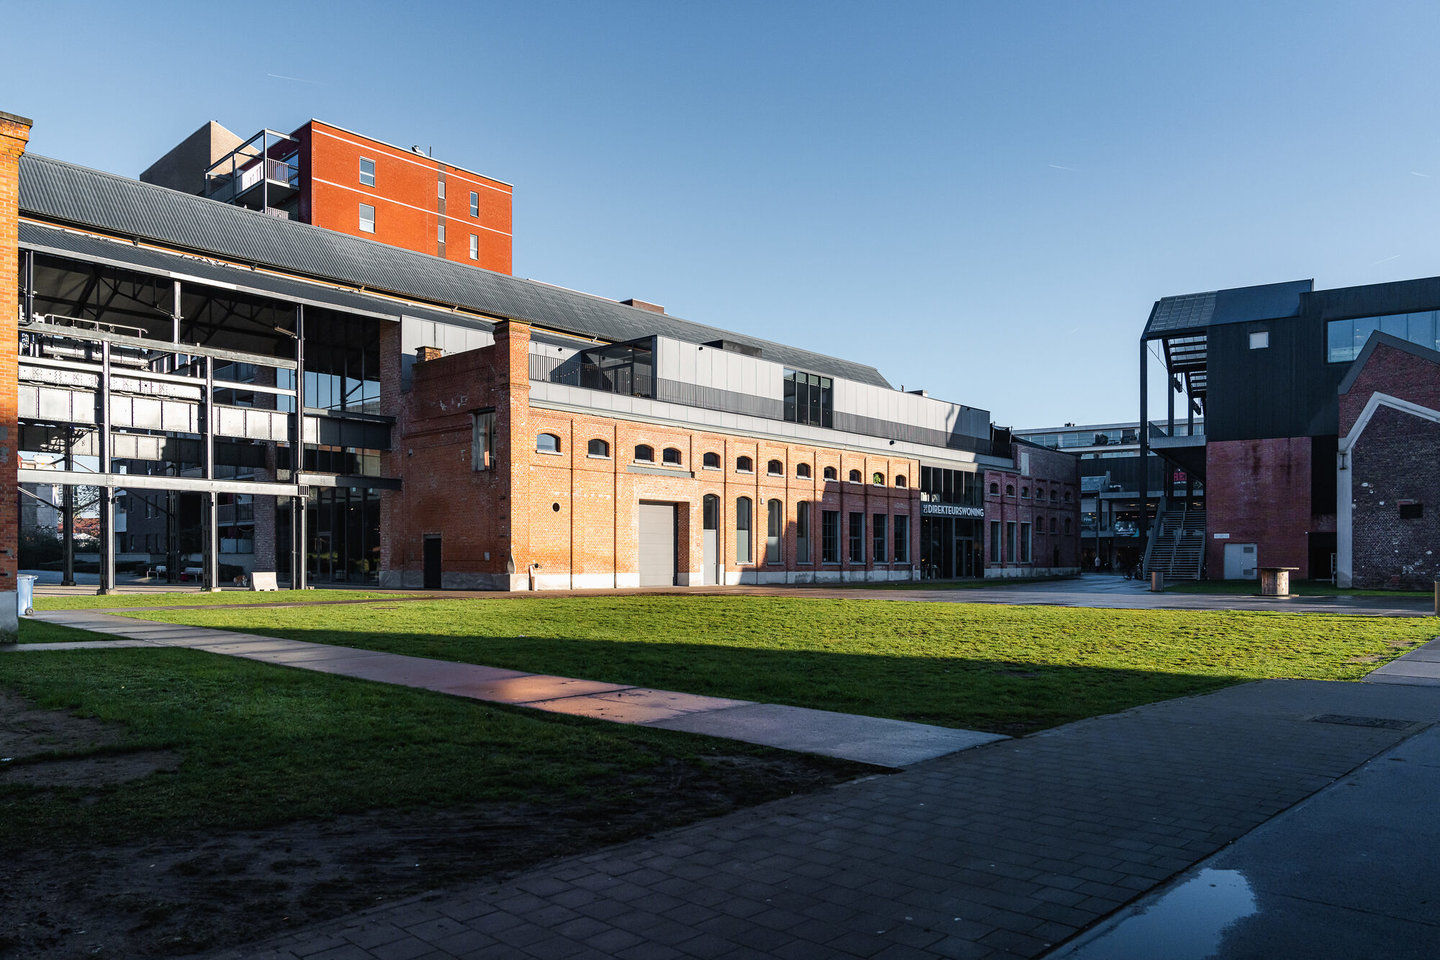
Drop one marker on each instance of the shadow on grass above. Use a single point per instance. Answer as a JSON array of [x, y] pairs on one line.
[[1013, 697]]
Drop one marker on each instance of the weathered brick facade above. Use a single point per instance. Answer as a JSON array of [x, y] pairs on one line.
[[14, 134], [1042, 494], [569, 518], [1391, 458], [1258, 491]]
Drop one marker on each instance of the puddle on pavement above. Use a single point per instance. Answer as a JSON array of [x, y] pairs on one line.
[[1187, 923]]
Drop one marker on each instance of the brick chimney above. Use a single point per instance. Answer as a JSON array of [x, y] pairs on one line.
[[642, 305]]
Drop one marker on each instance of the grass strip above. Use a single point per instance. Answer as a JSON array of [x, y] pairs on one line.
[[1010, 669], [197, 598]]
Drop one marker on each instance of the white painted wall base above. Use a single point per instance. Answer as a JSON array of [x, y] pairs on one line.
[[9, 617]]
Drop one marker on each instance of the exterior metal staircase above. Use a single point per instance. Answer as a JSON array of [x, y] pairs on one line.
[[1177, 544]]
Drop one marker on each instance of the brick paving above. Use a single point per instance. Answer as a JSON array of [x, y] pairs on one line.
[[1000, 851]]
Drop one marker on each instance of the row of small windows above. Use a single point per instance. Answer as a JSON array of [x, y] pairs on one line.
[[1025, 493], [889, 540], [644, 453], [367, 179]]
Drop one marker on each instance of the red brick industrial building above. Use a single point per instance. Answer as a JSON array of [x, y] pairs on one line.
[[252, 392]]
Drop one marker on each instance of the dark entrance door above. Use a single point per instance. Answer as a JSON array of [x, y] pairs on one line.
[[432, 563]]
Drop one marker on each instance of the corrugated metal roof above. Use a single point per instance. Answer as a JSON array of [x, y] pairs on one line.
[[54, 190], [81, 246]]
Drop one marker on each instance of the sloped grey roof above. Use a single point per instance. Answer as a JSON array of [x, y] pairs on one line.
[[1193, 312], [82, 246], [66, 193]]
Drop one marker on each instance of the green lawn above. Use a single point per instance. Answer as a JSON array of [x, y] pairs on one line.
[[1010, 669], [1304, 588], [260, 745], [188, 598]]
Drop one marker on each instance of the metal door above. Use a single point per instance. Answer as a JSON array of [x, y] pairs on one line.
[[711, 523], [432, 563], [657, 544], [1242, 561]]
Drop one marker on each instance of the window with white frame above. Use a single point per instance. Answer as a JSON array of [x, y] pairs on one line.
[[367, 218], [474, 204], [474, 247], [367, 171]]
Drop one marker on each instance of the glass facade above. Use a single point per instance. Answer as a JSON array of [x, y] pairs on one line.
[[1344, 339], [809, 398]]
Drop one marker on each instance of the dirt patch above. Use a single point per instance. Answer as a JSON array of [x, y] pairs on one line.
[[191, 894]]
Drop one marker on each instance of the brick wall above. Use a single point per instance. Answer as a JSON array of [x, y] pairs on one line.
[[1397, 373], [1258, 491], [1394, 461], [576, 515], [1046, 494], [408, 208], [14, 134]]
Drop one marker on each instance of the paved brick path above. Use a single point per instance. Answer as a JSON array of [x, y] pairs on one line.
[[1003, 850]]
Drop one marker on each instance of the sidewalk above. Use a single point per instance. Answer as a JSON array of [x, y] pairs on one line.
[[873, 740], [1000, 851]]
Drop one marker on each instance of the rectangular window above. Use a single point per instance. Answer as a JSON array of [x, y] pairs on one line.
[[902, 540], [474, 204], [877, 532], [1010, 540], [830, 536], [809, 398], [440, 189], [857, 537], [474, 247], [743, 526], [995, 541], [440, 232], [802, 532], [1259, 339], [482, 440], [774, 530], [367, 171], [367, 218], [1025, 555]]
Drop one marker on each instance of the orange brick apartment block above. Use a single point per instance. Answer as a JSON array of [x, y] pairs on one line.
[[335, 178]]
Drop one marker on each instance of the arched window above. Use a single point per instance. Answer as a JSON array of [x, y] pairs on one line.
[[712, 461], [877, 478], [644, 453], [743, 525], [1025, 492], [599, 448], [1052, 524], [900, 481], [802, 470], [547, 443], [773, 530], [1054, 495], [1067, 526], [830, 474], [672, 456], [1067, 500], [775, 468], [1009, 489], [995, 489], [854, 476], [744, 465]]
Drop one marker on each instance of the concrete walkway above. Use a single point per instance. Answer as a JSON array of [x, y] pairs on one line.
[[1006, 850], [874, 740]]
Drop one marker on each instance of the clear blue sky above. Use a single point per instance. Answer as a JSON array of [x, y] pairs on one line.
[[981, 199]]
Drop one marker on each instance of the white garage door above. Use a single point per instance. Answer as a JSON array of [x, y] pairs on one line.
[[657, 544]]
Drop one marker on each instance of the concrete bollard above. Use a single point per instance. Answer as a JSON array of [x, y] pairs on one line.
[[1157, 582]]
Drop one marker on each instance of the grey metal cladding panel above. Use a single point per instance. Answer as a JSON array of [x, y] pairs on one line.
[[1375, 299], [65, 192]]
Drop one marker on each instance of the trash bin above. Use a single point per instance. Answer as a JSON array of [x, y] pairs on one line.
[[25, 594], [1157, 582]]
